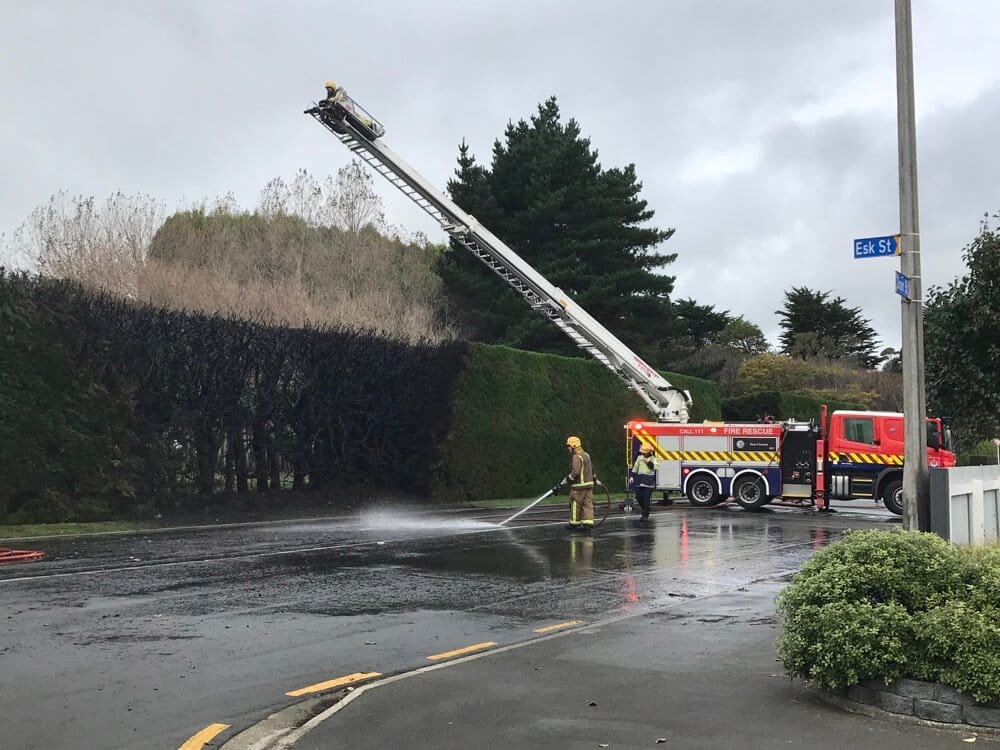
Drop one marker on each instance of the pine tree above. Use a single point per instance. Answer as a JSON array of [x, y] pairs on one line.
[[815, 326], [582, 226]]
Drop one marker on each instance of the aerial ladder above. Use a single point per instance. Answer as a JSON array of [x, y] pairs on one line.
[[362, 134]]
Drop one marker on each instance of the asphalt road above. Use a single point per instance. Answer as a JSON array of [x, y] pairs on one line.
[[147, 641]]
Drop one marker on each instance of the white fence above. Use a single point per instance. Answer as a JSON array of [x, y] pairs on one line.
[[965, 504]]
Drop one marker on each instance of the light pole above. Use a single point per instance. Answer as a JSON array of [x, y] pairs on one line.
[[916, 499]]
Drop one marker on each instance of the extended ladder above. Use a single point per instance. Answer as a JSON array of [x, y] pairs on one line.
[[668, 403]]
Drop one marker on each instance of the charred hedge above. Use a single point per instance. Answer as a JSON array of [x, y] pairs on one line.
[[112, 409]]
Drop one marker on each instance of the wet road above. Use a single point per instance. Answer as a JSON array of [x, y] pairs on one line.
[[140, 641]]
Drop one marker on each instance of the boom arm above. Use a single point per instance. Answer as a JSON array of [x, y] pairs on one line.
[[668, 403]]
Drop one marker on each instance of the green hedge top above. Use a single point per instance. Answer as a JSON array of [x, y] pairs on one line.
[[752, 406]]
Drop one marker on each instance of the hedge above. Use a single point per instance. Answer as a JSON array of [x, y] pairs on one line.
[[514, 409], [753, 406], [114, 409]]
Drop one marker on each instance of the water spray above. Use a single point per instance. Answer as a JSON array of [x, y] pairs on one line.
[[526, 508]]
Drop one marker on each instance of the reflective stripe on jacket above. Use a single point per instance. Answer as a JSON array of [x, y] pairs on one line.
[[581, 471], [644, 471]]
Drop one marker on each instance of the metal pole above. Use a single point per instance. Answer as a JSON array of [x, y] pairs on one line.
[[916, 498]]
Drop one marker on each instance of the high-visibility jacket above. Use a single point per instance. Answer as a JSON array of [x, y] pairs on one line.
[[581, 470], [644, 470]]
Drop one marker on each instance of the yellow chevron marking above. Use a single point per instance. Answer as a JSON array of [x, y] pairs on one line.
[[740, 456], [648, 440], [877, 459]]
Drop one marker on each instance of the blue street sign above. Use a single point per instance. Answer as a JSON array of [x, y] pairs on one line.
[[877, 247], [902, 285]]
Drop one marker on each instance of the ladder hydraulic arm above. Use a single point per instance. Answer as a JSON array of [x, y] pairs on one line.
[[361, 134]]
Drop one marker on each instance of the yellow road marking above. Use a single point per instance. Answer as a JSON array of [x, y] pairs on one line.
[[347, 679], [558, 626], [197, 741], [460, 651]]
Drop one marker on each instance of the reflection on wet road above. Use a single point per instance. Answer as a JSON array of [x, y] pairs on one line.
[[137, 641]]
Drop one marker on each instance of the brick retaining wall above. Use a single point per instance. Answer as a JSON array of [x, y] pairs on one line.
[[926, 700]]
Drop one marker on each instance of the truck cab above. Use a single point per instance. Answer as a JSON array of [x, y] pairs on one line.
[[865, 455]]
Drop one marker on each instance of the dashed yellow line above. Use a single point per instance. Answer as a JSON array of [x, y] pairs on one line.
[[461, 651], [197, 741], [558, 626], [347, 679]]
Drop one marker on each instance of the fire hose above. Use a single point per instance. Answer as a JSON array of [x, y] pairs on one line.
[[597, 483], [19, 555]]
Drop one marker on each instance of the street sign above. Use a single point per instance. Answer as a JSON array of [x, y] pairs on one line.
[[877, 247], [902, 285]]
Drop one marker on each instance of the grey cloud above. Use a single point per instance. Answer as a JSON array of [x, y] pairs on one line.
[[194, 99]]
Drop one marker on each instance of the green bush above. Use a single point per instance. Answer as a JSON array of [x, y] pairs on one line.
[[960, 646], [894, 604], [915, 570], [984, 577], [842, 643]]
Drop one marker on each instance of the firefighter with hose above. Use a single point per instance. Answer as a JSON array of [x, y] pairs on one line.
[[581, 487]]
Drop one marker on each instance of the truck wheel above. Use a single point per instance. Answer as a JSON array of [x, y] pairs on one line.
[[749, 493], [702, 492], [892, 496]]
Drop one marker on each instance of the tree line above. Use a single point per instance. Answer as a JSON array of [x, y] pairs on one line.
[[322, 253]]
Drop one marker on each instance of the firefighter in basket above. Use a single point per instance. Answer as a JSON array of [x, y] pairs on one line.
[[581, 487], [643, 478], [334, 93]]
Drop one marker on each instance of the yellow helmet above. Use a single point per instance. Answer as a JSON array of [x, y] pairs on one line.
[[573, 442], [330, 85], [645, 448]]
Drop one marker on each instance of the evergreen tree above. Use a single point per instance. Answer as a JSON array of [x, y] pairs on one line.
[[815, 326], [962, 342], [582, 226]]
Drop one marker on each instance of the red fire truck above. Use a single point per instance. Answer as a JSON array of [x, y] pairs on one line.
[[852, 455]]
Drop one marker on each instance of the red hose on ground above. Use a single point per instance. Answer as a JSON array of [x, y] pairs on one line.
[[19, 555]]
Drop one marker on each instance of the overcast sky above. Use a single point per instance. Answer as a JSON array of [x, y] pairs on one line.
[[764, 132]]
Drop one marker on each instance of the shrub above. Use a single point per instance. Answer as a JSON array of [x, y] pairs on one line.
[[960, 646], [842, 643], [894, 604], [912, 569], [984, 577]]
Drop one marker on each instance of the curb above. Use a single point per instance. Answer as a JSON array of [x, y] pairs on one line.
[[274, 733], [872, 711]]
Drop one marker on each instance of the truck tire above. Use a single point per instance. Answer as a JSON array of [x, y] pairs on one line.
[[749, 493], [702, 492], [892, 496]]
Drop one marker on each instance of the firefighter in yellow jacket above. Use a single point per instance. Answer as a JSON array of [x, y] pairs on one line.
[[581, 487]]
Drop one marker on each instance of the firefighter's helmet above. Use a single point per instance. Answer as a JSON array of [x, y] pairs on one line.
[[645, 449], [573, 442]]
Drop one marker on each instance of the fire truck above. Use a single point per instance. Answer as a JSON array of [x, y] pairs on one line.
[[851, 455], [848, 455]]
